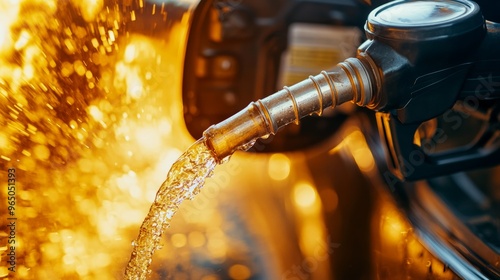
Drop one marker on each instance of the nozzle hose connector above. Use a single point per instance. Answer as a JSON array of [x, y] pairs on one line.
[[351, 80]]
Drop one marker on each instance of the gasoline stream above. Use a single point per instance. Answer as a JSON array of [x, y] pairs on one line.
[[184, 180]]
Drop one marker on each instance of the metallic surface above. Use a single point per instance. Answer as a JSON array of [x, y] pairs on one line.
[[90, 149], [348, 81]]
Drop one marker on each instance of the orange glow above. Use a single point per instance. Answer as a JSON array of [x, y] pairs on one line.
[[310, 224], [304, 195], [89, 8], [92, 127], [279, 167], [359, 149], [310, 232], [9, 10], [4, 272], [330, 199], [196, 239], [92, 118], [239, 272], [216, 244], [179, 240], [393, 227]]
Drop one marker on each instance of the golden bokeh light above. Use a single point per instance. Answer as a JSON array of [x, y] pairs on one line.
[[92, 120], [393, 227], [179, 240], [356, 143], [9, 10], [196, 239], [239, 272], [279, 167], [90, 130], [310, 233], [304, 195]]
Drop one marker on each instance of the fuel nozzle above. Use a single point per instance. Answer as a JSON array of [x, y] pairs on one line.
[[419, 59], [351, 80]]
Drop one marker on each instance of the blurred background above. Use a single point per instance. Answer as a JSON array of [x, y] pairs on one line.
[[96, 105]]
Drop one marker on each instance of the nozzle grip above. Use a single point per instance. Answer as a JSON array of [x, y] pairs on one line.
[[476, 78], [408, 161]]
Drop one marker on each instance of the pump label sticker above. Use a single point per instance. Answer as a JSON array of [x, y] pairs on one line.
[[313, 48]]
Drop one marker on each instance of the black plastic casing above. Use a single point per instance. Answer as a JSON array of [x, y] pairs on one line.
[[424, 68]]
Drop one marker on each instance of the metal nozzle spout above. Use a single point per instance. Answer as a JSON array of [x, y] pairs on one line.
[[350, 80]]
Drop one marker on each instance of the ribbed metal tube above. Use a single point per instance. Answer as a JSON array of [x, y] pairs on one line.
[[350, 80]]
